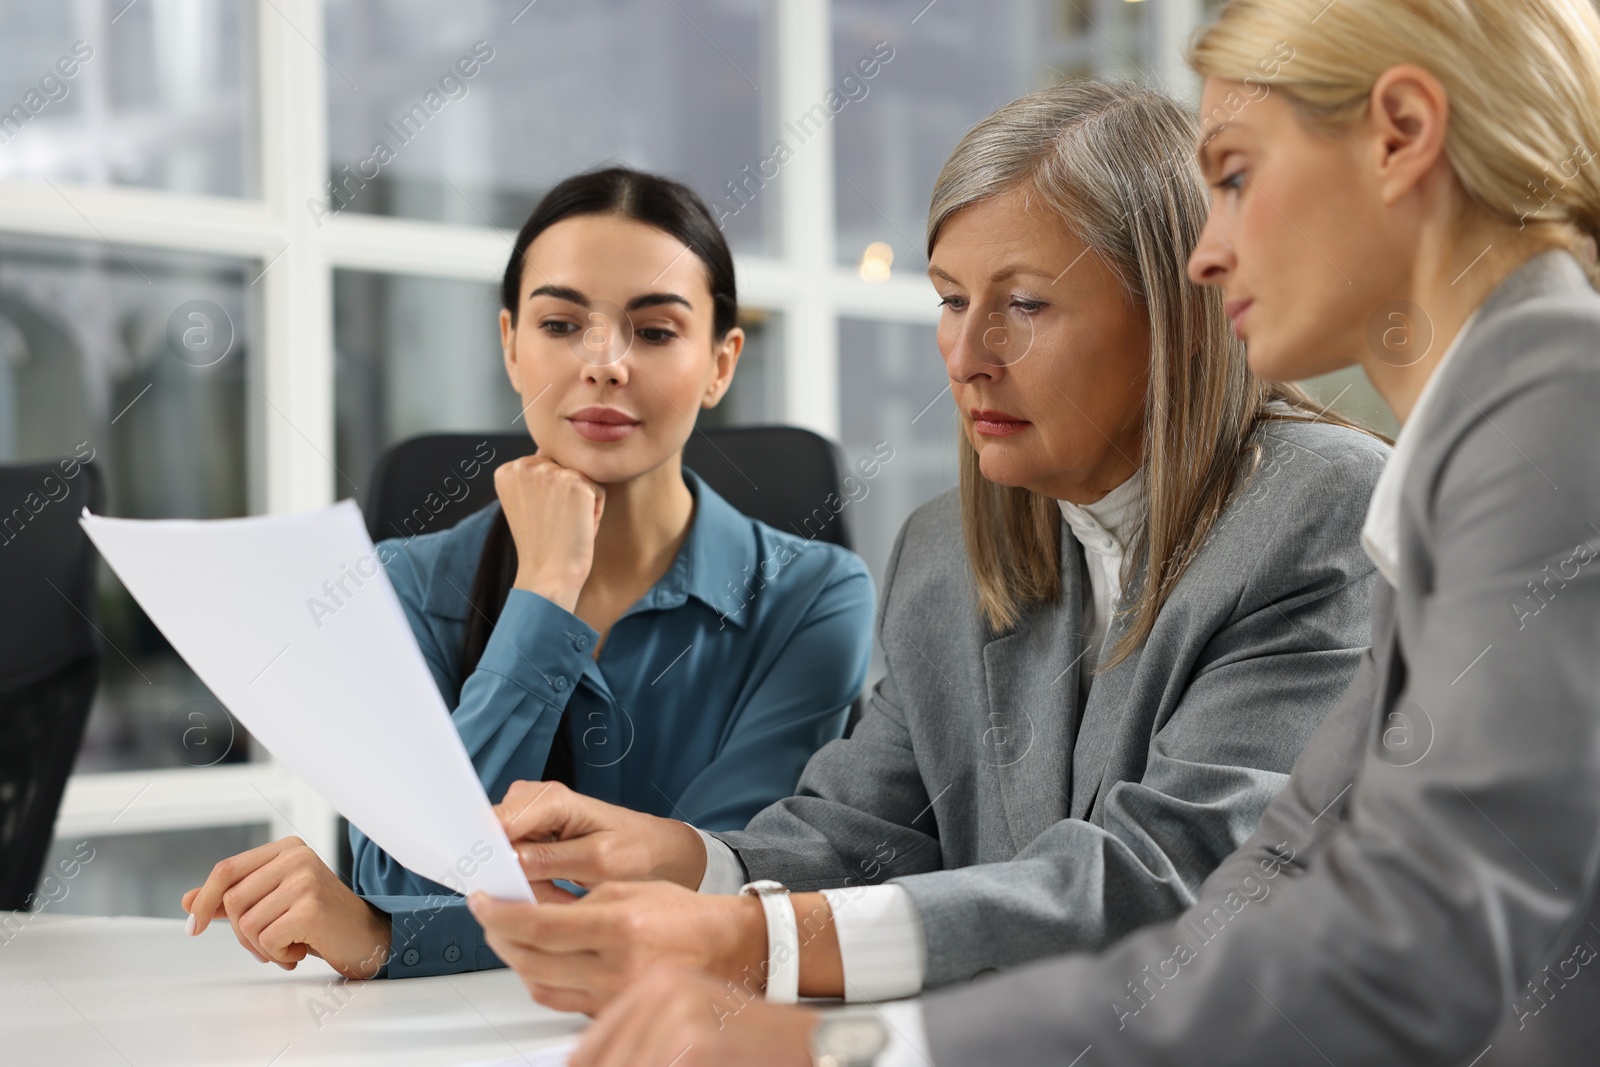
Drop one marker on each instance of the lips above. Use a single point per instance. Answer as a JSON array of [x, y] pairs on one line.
[[991, 423], [1235, 310], [603, 424]]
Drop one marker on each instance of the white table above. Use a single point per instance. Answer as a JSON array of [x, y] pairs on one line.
[[125, 991]]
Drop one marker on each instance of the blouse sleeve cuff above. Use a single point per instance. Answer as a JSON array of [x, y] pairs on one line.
[[432, 935], [724, 873], [881, 946], [540, 646]]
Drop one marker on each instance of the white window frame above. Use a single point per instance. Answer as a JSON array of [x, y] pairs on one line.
[[291, 464]]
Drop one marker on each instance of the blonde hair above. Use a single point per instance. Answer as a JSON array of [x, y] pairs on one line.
[[1523, 77], [1115, 163]]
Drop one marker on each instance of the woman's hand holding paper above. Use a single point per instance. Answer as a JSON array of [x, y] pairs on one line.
[[579, 956], [562, 834]]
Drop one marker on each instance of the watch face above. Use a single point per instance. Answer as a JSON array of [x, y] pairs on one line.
[[851, 1040]]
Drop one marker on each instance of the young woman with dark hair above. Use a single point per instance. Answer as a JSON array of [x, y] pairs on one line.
[[611, 622]]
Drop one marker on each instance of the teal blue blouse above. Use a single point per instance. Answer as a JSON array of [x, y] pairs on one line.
[[709, 696]]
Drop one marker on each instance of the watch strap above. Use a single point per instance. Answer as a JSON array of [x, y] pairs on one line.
[[783, 940]]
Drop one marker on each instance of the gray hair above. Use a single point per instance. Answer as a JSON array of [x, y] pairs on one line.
[[1115, 162]]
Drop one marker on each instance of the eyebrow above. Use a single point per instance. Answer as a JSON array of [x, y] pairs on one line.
[[643, 300], [1202, 148], [1004, 272]]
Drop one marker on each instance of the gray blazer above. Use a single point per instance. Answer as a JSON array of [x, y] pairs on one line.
[[1424, 891], [1019, 831]]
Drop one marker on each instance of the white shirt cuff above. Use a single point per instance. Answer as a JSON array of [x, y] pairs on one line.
[[908, 1038], [881, 946], [724, 872]]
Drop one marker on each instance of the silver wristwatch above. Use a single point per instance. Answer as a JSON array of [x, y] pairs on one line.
[[848, 1041]]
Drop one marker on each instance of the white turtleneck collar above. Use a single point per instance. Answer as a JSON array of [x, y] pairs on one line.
[[1104, 529]]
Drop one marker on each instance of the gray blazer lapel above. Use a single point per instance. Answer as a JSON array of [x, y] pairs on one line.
[[1031, 679], [1406, 733], [1097, 736], [1098, 739]]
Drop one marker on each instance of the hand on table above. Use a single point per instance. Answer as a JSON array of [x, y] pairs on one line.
[[672, 1018], [580, 956], [283, 904]]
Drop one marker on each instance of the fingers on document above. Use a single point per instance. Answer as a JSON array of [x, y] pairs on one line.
[[582, 860], [535, 809], [546, 892]]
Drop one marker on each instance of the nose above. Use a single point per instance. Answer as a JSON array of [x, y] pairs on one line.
[[1212, 261], [606, 350], [613, 373], [978, 347]]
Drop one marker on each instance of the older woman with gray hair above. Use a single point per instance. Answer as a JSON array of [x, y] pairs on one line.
[[1104, 651]]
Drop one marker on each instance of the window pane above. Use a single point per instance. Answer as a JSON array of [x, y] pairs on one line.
[[136, 874], [158, 94], [139, 359], [952, 65], [411, 356], [894, 402], [422, 355], [471, 113], [756, 396]]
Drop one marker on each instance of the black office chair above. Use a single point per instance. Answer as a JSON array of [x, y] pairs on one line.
[[49, 656], [780, 475]]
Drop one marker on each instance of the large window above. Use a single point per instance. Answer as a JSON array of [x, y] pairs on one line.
[[159, 95], [139, 360], [331, 186], [467, 115]]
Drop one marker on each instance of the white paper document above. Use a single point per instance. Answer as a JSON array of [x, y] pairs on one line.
[[292, 623]]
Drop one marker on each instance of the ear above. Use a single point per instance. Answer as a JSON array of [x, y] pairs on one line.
[[508, 345], [1410, 114], [726, 352]]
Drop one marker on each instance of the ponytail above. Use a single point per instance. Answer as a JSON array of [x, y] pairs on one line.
[[491, 585]]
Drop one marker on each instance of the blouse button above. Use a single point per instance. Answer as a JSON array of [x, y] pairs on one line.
[[452, 953], [411, 957], [580, 642], [560, 682]]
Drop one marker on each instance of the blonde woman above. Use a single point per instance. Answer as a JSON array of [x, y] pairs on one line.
[[1104, 651], [1424, 891]]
